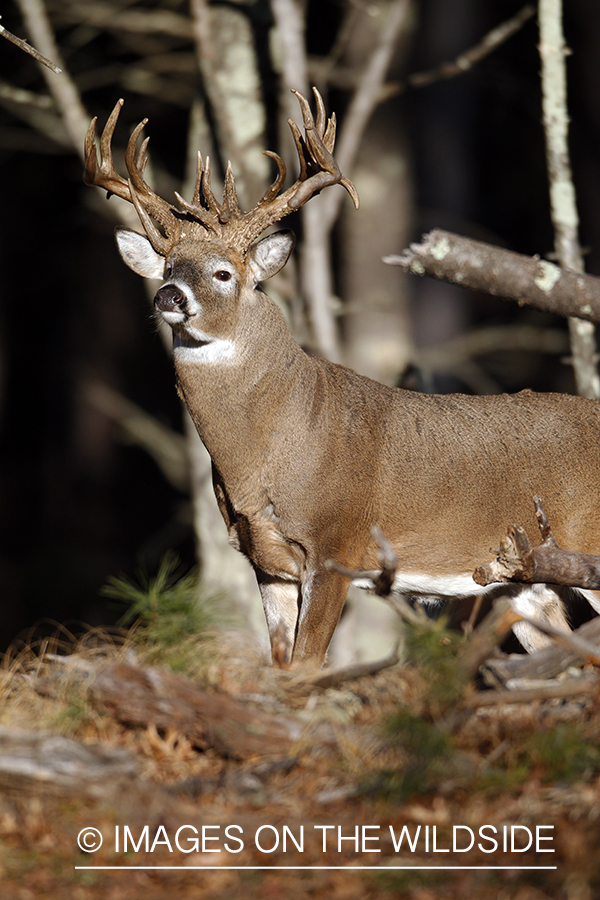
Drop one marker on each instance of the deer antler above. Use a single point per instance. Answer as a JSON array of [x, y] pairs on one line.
[[318, 169], [103, 174]]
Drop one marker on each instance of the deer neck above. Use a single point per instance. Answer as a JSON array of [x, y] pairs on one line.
[[240, 388]]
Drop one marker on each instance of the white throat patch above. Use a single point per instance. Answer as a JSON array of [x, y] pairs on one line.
[[208, 350]]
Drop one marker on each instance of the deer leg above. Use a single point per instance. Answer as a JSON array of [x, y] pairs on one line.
[[538, 601], [322, 601], [280, 603], [592, 597]]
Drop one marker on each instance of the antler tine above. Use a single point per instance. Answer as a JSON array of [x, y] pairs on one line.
[[212, 213], [319, 143], [102, 173], [329, 136], [142, 157], [213, 204], [199, 171], [321, 114], [274, 188], [159, 242], [230, 199], [301, 149]]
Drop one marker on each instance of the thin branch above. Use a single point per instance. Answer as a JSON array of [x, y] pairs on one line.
[[345, 77], [488, 635], [23, 97], [23, 45], [166, 447], [335, 677], [573, 687], [63, 89], [529, 281], [383, 580], [452, 355], [563, 203], [364, 101], [467, 60], [136, 21]]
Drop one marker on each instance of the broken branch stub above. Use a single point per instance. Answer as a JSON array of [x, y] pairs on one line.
[[547, 563]]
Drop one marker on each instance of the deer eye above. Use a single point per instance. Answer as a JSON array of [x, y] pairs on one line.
[[222, 275]]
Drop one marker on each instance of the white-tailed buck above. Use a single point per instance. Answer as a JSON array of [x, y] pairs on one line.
[[307, 456]]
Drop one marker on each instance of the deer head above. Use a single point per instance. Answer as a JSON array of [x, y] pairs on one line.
[[212, 240]]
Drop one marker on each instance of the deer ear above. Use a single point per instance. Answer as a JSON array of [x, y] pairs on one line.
[[137, 253], [271, 254]]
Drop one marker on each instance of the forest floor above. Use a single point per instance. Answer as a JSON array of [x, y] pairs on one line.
[[235, 779]]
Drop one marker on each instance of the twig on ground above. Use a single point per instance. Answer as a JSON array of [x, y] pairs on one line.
[[572, 687], [334, 677]]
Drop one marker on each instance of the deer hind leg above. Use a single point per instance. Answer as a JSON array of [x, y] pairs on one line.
[[539, 601], [280, 602], [592, 597]]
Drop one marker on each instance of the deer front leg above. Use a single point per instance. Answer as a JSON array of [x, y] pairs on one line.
[[322, 600], [280, 603]]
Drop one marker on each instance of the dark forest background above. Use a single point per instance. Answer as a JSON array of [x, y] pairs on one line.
[[78, 501]]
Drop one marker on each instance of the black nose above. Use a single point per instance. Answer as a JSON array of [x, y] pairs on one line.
[[169, 298]]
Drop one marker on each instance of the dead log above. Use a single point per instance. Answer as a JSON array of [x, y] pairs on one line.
[[574, 687], [140, 697], [143, 697], [547, 563], [39, 762]]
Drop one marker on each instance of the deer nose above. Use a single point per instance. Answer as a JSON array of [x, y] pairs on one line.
[[169, 298]]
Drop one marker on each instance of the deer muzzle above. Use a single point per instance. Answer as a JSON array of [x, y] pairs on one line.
[[169, 299]]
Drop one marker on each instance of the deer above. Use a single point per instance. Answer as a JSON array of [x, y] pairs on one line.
[[307, 455]]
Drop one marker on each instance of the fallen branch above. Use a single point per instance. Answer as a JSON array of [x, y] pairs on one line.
[[547, 563], [479, 266], [37, 762], [546, 663], [573, 687], [585, 650], [334, 677]]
